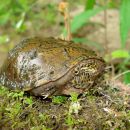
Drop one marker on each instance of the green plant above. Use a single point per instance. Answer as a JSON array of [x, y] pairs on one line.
[[123, 66], [74, 97], [70, 121], [16, 11], [90, 4], [43, 117], [75, 104], [20, 11], [81, 19], [124, 21], [59, 99], [124, 30]]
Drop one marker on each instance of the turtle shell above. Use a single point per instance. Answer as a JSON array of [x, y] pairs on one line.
[[38, 61]]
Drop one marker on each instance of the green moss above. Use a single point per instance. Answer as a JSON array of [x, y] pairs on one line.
[[100, 108], [59, 99]]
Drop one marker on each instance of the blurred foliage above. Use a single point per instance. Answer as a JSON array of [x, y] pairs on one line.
[[124, 21], [21, 11], [19, 14], [120, 54], [16, 10], [82, 18], [127, 78], [4, 39], [90, 4]]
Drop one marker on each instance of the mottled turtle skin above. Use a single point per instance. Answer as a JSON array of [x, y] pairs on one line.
[[49, 66]]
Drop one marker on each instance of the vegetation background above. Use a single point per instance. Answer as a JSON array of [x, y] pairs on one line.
[[101, 24]]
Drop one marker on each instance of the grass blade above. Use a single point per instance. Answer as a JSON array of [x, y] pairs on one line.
[[90, 4], [124, 21], [82, 18], [127, 78]]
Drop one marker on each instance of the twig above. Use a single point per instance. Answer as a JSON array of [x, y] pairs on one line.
[[105, 31], [119, 75], [64, 9]]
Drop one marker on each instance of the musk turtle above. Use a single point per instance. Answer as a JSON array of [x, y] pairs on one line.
[[49, 66]]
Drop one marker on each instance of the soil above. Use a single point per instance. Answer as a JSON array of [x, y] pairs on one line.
[[101, 108]]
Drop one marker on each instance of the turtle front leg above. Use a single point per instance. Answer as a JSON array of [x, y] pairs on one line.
[[45, 90]]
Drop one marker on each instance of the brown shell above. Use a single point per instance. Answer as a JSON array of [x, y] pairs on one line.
[[38, 61]]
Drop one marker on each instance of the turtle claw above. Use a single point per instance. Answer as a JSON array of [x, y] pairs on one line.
[[44, 96], [48, 92]]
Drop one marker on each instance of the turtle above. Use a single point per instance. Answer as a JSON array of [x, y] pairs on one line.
[[51, 66]]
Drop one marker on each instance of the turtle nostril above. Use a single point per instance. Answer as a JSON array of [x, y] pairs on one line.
[[52, 72]]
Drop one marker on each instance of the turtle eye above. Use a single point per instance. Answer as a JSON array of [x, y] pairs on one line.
[[76, 72]]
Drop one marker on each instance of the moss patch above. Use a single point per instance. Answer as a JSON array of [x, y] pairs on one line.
[[101, 108]]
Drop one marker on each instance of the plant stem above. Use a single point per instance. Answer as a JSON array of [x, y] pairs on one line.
[[64, 9]]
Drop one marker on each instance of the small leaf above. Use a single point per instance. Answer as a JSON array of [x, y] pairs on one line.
[[120, 54], [124, 21], [28, 101], [74, 97], [59, 99]]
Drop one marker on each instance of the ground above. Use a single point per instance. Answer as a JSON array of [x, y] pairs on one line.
[[101, 108]]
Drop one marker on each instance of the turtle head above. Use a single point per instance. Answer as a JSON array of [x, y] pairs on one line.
[[86, 72]]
